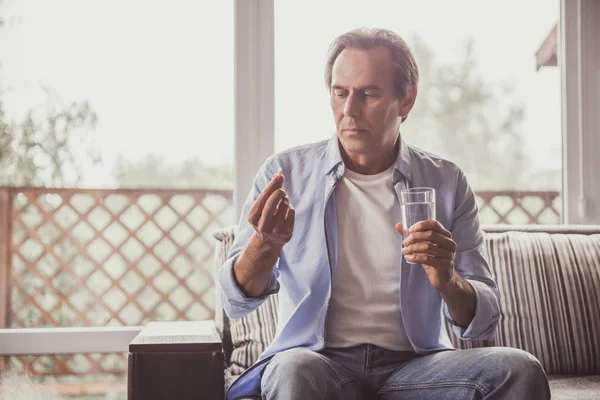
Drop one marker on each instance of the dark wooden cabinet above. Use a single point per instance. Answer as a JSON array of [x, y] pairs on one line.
[[176, 360]]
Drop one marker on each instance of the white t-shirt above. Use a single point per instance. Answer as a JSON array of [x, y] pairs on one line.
[[365, 301]]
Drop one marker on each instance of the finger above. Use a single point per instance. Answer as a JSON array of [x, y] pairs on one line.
[[267, 219], [283, 201], [427, 248], [433, 237], [280, 215], [426, 259], [400, 228], [290, 218], [258, 206], [430, 225]]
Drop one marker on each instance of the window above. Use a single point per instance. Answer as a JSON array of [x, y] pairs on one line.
[[483, 103], [103, 102], [157, 76]]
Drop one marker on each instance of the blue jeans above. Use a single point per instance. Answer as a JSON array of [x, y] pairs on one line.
[[368, 372]]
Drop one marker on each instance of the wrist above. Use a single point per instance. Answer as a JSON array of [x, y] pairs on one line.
[[450, 285]]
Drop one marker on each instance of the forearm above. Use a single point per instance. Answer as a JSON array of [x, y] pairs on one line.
[[460, 298], [253, 267]]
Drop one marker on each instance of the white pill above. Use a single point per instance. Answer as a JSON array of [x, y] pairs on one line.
[[279, 171]]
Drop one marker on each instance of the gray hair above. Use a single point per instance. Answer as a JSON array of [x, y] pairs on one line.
[[405, 66]]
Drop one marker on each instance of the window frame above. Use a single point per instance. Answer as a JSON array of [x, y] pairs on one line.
[[580, 90]]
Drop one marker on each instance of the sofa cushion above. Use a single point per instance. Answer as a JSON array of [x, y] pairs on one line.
[[224, 241], [244, 339], [550, 295]]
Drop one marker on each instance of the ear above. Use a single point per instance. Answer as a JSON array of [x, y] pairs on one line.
[[408, 102]]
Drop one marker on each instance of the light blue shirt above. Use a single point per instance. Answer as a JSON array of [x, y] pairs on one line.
[[302, 274]]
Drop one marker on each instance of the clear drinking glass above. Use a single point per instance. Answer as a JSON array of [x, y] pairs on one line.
[[417, 204]]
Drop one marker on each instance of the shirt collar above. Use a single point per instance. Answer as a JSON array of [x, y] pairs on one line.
[[403, 163], [333, 159]]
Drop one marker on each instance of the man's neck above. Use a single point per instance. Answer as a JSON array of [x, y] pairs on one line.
[[370, 164]]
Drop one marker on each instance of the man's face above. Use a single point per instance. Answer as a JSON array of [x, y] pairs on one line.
[[363, 99]]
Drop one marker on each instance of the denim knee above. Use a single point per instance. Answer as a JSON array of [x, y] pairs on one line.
[[293, 363], [304, 374], [520, 363]]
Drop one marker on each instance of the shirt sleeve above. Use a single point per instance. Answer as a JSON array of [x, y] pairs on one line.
[[471, 263], [235, 303]]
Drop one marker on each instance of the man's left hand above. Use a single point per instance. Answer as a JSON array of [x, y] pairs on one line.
[[431, 245]]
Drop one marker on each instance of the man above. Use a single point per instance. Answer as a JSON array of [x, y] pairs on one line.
[[356, 319]]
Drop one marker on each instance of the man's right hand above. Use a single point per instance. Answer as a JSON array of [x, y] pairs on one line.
[[272, 215]]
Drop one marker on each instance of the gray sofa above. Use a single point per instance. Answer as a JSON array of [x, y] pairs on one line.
[[549, 280]]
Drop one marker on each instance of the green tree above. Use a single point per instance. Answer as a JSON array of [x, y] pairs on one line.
[[473, 122], [40, 150]]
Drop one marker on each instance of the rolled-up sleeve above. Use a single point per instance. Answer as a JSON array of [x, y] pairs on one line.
[[234, 302], [472, 264]]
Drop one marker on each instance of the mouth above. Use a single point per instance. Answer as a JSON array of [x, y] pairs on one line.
[[353, 130]]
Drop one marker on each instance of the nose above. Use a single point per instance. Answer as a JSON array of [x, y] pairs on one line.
[[352, 106]]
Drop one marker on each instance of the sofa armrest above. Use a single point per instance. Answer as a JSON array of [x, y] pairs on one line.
[[176, 360]]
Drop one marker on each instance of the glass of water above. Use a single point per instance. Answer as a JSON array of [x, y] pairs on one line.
[[417, 204]]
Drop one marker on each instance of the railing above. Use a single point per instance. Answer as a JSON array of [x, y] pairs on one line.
[[76, 257], [519, 207], [79, 257]]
